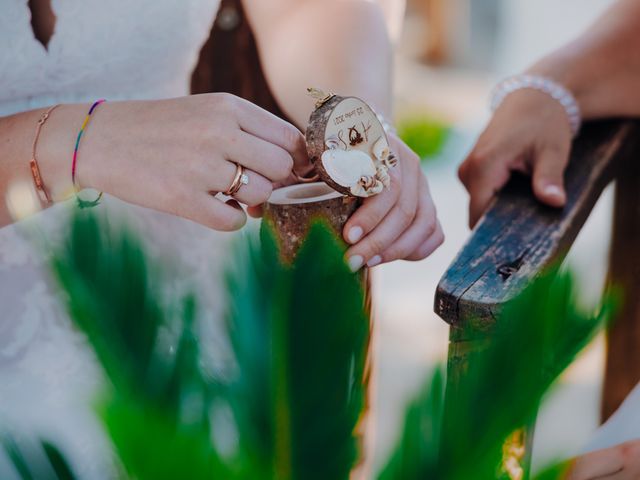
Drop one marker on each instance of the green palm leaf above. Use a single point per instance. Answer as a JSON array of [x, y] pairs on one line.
[[536, 337], [300, 338]]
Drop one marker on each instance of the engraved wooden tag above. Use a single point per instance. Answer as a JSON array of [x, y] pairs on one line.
[[348, 146]]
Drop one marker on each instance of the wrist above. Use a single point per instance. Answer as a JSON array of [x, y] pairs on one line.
[[566, 70], [556, 92], [56, 149]]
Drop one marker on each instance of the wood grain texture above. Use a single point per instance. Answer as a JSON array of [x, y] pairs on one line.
[[291, 223], [518, 237], [315, 136], [622, 371]]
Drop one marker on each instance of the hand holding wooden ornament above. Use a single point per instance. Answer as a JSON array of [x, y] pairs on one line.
[[349, 149], [348, 146]]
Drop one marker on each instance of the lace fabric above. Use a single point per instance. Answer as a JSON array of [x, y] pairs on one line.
[[118, 50]]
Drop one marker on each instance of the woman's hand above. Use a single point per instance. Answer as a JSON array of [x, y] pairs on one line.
[[618, 463], [529, 133], [398, 224], [175, 155]]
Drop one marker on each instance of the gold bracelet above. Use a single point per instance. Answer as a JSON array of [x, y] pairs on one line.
[[33, 163]]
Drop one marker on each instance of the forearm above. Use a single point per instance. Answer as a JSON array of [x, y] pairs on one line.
[[602, 67], [54, 149], [335, 45]]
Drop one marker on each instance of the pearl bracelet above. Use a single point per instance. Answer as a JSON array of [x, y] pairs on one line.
[[543, 84]]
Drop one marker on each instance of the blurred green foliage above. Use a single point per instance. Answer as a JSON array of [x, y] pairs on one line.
[[536, 337], [299, 336], [289, 407], [424, 135]]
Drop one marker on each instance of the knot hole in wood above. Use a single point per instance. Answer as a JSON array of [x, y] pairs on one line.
[[506, 270]]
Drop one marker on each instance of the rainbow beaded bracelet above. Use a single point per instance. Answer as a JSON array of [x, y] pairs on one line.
[[82, 203]]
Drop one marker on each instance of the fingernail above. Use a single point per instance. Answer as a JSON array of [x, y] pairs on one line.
[[355, 263], [553, 191], [375, 261], [234, 204], [355, 234]]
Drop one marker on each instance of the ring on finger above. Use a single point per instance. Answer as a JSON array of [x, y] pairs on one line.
[[240, 179]]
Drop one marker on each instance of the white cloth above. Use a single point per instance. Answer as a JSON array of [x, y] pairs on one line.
[[116, 49], [622, 427]]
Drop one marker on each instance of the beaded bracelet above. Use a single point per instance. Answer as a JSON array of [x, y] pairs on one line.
[[81, 202], [543, 84]]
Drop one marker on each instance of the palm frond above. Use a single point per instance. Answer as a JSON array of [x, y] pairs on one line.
[[416, 455], [536, 337], [36, 460], [300, 338], [157, 412]]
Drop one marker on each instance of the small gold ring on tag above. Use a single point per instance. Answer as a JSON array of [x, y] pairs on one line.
[[311, 179]]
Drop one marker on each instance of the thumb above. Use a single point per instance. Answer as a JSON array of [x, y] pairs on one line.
[[548, 176]]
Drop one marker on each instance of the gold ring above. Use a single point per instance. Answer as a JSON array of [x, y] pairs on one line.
[[314, 178], [240, 179]]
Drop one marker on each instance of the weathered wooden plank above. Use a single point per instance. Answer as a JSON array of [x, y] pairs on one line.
[[623, 357], [518, 237]]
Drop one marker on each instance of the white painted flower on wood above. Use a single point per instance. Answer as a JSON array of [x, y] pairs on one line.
[[381, 150], [346, 168], [383, 175]]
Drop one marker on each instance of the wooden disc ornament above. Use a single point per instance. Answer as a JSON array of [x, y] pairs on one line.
[[348, 146], [349, 150]]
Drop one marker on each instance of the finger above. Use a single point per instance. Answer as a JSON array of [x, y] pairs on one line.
[[267, 159], [429, 246], [213, 213], [373, 210], [483, 184], [390, 228], [256, 212], [422, 229], [548, 176], [255, 192], [262, 124], [605, 464]]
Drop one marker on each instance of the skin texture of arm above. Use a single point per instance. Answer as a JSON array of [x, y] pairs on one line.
[[602, 67], [335, 45], [343, 46], [16, 136], [170, 155], [617, 463], [530, 132]]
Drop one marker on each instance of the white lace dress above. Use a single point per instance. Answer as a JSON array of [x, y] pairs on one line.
[[116, 49]]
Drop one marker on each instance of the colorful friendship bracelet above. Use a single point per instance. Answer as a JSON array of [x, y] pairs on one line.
[[81, 202]]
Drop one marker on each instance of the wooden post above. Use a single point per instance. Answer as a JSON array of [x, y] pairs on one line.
[[518, 238], [623, 356]]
